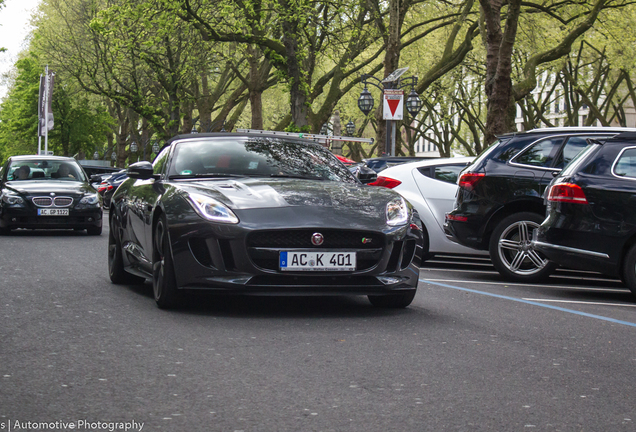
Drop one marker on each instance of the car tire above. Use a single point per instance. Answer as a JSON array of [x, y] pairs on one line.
[[425, 254], [5, 231], [94, 231], [512, 253], [164, 281], [393, 301], [629, 270], [116, 270]]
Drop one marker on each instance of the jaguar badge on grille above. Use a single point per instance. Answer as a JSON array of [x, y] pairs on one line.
[[317, 239]]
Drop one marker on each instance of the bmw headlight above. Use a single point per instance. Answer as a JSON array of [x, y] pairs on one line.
[[397, 212], [91, 199], [211, 209], [10, 197]]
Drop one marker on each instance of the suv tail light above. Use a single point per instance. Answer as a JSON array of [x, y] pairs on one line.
[[469, 180], [567, 192], [386, 182]]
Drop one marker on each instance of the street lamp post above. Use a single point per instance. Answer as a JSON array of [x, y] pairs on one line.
[[391, 83]]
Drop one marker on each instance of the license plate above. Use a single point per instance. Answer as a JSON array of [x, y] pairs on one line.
[[317, 261], [52, 212]]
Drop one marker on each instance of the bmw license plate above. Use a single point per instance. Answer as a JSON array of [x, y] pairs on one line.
[[52, 212], [317, 261]]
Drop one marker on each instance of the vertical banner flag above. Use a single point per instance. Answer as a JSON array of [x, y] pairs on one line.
[[45, 103], [393, 104]]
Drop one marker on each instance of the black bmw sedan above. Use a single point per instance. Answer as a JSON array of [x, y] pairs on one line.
[[47, 192], [257, 214], [591, 211]]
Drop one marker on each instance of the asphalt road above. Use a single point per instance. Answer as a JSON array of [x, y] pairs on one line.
[[473, 353]]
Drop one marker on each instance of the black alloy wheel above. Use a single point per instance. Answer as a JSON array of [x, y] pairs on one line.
[[164, 282], [393, 301], [511, 250], [115, 259]]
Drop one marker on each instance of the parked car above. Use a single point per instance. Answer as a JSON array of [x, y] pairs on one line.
[[108, 186], [500, 202], [47, 192], [248, 213], [380, 163], [345, 161], [591, 211], [92, 170], [430, 186]]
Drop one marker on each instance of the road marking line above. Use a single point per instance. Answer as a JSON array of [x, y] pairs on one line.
[[599, 317], [582, 302], [617, 290], [556, 275]]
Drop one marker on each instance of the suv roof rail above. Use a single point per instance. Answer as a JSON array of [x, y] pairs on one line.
[[626, 135]]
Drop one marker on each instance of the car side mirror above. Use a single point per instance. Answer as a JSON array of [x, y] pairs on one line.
[[366, 175], [140, 170], [96, 178]]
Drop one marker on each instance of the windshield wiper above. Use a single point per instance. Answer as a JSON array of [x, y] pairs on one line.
[[296, 176], [206, 175]]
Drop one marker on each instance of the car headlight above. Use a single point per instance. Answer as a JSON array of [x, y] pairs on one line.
[[397, 212], [91, 199], [10, 197], [211, 209]]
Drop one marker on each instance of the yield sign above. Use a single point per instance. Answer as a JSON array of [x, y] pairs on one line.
[[393, 104]]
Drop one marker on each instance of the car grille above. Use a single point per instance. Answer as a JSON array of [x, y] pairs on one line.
[[264, 246], [43, 201], [62, 201], [334, 239], [48, 201]]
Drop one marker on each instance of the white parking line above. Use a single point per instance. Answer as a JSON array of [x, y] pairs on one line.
[[534, 285], [581, 302], [557, 308]]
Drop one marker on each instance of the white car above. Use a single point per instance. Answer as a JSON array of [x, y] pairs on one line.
[[430, 185]]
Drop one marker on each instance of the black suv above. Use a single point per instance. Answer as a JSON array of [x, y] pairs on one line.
[[499, 201], [591, 218]]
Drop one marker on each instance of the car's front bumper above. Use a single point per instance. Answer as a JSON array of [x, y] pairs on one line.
[[229, 260], [12, 217]]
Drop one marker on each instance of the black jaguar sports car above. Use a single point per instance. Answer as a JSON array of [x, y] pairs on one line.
[[257, 214]]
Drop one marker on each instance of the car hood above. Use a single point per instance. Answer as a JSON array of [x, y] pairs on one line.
[[270, 193], [28, 187]]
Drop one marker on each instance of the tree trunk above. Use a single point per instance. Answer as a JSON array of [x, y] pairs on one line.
[[499, 45], [391, 63], [297, 92]]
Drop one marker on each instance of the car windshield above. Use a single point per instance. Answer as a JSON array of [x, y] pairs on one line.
[[53, 170], [255, 157]]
